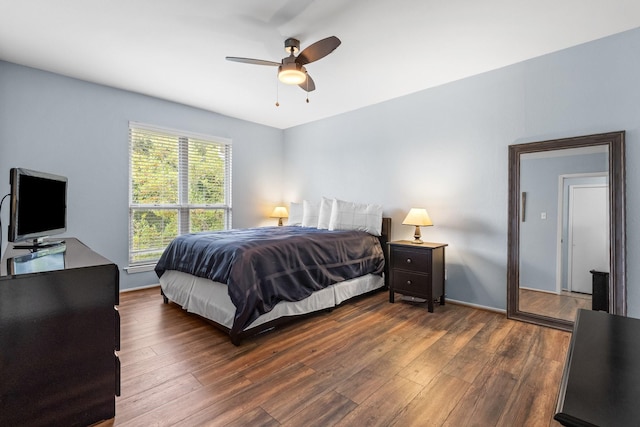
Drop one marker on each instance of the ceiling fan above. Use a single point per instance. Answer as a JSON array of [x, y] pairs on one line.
[[291, 69]]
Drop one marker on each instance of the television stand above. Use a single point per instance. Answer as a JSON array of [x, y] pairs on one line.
[[59, 337]]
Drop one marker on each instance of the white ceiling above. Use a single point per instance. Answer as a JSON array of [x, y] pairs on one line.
[[175, 49]]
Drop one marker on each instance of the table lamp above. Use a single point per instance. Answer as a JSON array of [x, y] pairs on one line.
[[280, 212], [420, 218]]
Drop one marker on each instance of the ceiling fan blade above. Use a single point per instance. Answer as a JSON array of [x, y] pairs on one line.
[[308, 84], [253, 61], [318, 50]]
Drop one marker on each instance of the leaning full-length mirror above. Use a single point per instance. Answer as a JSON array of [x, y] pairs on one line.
[[566, 246]]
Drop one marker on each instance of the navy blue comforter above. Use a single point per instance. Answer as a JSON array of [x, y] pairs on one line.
[[263, 266]]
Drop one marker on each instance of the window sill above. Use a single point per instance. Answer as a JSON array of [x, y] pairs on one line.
[[140, 268]]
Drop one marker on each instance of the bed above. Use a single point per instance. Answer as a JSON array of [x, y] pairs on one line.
[[251, 280]]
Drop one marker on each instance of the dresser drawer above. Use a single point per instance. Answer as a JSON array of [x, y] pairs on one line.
[[412, 283], [412, 260]]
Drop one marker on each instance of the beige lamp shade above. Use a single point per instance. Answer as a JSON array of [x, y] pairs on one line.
[[419, 218], [280, 212]]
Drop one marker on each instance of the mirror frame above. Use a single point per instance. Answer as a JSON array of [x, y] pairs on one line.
[[617, 234]]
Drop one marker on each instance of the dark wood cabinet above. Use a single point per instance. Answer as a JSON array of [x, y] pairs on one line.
[[59, 333], [601, 379], [417, 270]]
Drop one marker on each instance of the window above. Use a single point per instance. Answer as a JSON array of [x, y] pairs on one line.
[[178, 183]]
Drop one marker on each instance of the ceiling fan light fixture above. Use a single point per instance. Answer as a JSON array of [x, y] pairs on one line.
[[291, 69], [292, 74]]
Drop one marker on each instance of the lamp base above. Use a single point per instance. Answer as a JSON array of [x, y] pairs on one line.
[[417, 236], [279, 222]]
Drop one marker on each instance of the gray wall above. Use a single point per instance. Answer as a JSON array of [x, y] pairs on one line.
[[80, 130], [445, 149]]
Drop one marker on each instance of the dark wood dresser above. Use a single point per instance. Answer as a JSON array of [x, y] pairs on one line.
[[59, 333], [417, 270], [601, 381]]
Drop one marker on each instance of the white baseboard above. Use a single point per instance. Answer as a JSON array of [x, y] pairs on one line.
[[478, 306], [138, 288]]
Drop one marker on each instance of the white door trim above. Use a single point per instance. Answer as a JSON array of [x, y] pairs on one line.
[[561, 201]]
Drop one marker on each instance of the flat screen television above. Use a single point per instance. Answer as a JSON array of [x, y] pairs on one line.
[[38, 207]]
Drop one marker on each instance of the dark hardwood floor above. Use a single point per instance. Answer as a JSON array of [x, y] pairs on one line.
[[367, 363]]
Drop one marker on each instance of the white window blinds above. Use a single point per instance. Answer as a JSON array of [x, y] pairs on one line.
[[178, 183]]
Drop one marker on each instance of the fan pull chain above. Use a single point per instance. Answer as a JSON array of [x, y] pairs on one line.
[[277, 93], [307, 89]]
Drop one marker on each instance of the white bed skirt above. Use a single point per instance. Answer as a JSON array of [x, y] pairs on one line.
[[210, 299]]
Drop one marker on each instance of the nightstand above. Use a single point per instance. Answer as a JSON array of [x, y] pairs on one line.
[[417, 270]]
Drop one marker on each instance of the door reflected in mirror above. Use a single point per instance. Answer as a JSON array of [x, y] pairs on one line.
[[566, 204]]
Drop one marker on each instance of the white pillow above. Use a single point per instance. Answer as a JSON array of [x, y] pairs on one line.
[[295, 214], [356, 216], [310, 211], [324, 215]]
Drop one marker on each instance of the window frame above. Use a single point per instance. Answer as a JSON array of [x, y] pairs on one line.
[[183, 207]]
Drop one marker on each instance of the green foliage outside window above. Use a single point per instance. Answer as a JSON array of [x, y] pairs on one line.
[[163, 205], [206, 173], [205, 220], [153, 230]]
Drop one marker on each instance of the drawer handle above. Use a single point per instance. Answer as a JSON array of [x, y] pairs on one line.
[[408, 260], [409, 282]]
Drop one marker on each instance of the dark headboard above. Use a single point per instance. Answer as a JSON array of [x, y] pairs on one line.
[[385, 237]]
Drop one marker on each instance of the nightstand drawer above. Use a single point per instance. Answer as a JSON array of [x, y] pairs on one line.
[[415, 284], [412, 260]]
